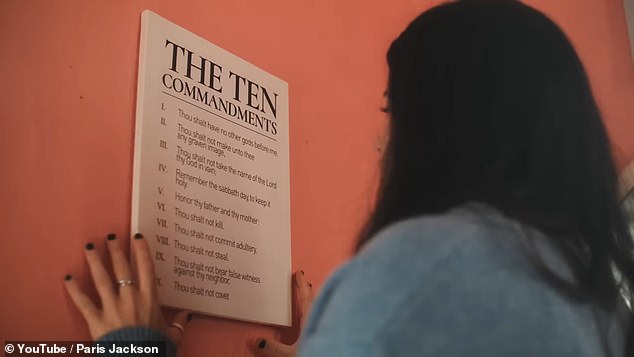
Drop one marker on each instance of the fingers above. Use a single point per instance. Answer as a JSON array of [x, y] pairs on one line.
[[100, 277], [271, 348], [305, 294], [83, 303], [115, 311], [120, 266], [174, 331], [145, 267]]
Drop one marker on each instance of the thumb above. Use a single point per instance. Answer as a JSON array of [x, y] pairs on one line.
[[176, 329], [271, 348]]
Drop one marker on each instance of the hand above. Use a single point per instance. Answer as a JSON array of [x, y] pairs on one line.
[[124, 305], [304, 294]]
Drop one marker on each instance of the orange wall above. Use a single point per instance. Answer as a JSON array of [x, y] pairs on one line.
[[68, 72]]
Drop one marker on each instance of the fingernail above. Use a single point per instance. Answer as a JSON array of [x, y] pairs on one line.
[[67, 277], [111, 236], [138, 236], [90, 246], [189, 316], [262, 344]]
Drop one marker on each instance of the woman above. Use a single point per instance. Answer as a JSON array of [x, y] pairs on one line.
[[496, 229]]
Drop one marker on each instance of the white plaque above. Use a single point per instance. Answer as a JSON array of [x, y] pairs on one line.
[[211, 177]]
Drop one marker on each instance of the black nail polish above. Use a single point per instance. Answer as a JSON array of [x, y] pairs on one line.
[[189, 317], [262, 344], [138, 236], [68, 277], [111, 236], [90, 246]]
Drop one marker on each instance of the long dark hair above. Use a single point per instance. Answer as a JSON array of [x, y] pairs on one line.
[[489, 102]]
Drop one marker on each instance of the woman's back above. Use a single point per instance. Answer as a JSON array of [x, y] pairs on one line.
[[462, 283], [489, 102]]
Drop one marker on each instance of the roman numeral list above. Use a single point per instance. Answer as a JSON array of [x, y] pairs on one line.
[[161, 208]]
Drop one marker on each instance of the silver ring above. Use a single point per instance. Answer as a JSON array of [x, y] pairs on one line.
[[179, 327], [125, 282]]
